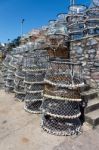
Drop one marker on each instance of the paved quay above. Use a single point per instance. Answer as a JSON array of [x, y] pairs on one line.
[[20, 130]]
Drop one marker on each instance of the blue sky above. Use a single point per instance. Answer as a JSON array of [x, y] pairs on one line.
[[35, 12]]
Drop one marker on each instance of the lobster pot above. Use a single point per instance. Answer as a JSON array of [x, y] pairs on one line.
[[34, 87], [40, 43], [61, 108], [93, 12], [74, 18], [57, 46], [35, 65], [63, 73], [10, 65], [12, 68], [64, 93], [61, 104], [93, 31], [14, 61], [9, 84], [22, 49], [92, 21], [35, 61], [33, 101], [5, 66], [19, 81], [34, 97], [57, 39], [34, 77], [60, 126], [77, 13], [78, 35], [61, 17], [19, 87], [77, 31], [76, 22], [19, 92], [80, 26], [77, 9], [7, 60], [10, 75]]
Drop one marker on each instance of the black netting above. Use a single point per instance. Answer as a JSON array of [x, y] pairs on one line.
[[60, 126], [35, 61], [19, 82], [19, 89], [7, 60], [34, 77], [64, 74], [19, 97], [35, 65], [19, 73], [33, 96], [61, 104], [61, 109], [33, 106], [93, 12], [9, 83], [62, 92], [14, 61], [9, 89], [34, 87]]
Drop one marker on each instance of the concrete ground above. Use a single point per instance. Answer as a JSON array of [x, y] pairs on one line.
[[20, 130]]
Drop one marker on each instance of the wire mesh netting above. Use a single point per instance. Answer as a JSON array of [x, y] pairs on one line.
[[60, 126], [19, 86], [30, 88], [61, 104], [62, 93], [35, 65], [64, 74], [40, 74], [33, 106], [61, 109], [9, 72]]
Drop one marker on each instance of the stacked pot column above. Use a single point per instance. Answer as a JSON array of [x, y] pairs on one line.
[[84, 47], [19, 87], [35, 65], [57, 38], [92, 43], [77, 30], [10, 65], [35, 68], [5, 65], [60, 107]]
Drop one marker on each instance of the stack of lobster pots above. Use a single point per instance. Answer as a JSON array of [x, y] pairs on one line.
[[5, 67], [92, 42], [77, 31], [83, 29], [19, 86], [76, 22], [35, 66], [8, 72], [61, 104]]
